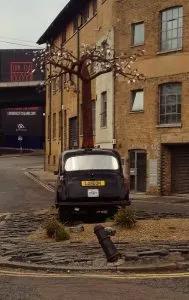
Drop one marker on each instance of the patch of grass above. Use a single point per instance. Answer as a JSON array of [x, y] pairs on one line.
[[55, 229], [125, 217], [51, 227], [61, 234]]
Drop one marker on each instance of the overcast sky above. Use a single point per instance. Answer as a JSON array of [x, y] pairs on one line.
[[26, 20]]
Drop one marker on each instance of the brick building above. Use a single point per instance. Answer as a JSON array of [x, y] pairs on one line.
[[147, 122], [81, 23]]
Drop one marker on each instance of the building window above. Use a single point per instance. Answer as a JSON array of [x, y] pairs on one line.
[[54, 86], [137, 100], [94, 2], [75, 24], [85, 14], [170, 103], [172, 29], [138, 34], [60, 124], [94, 116], [104, 109], [73, 133], [54, 126], [49, 127]]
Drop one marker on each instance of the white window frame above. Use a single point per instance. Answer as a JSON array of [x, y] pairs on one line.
[[172, 29], [134, 27], [168, 111], [137, 97]]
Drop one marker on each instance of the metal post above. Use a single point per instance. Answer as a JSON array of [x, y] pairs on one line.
[[106, 243]]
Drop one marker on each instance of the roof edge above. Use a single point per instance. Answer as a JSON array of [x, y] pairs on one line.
[[61, 19]]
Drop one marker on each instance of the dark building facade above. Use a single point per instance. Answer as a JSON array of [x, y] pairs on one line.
[[16, 65], [22, 100]]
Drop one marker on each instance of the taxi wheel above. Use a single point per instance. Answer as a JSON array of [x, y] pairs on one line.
[[63, 215]]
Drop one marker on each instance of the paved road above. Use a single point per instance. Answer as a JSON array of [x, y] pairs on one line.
[[17, 192], [21, 194], [45, 287]]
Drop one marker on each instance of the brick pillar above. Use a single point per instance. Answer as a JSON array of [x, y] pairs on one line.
[[166, 171]]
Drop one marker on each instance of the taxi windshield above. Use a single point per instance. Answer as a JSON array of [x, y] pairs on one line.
[[91, 162]]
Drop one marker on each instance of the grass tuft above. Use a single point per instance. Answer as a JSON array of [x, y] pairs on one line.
[[55, 229], [125, 217]]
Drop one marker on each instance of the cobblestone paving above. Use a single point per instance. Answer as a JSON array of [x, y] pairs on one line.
[[15, 247]]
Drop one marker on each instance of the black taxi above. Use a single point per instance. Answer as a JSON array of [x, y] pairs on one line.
[[90, 180]]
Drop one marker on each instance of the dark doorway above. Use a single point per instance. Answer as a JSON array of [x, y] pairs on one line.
[[180, 169], [138, 171]]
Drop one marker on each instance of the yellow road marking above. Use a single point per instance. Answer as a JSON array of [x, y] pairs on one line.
[[94, 276]]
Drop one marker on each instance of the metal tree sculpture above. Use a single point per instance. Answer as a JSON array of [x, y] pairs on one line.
[[93, 62]]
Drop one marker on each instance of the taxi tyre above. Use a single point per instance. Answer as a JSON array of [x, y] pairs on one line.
[[64, 214], [112, 211]]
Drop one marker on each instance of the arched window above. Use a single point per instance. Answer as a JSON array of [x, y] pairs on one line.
[[172, 28], [170, 103]]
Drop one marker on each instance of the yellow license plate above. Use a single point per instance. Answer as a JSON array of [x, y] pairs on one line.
[[93, 183]]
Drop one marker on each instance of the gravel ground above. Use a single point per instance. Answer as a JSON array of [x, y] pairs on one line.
[[145, 231]]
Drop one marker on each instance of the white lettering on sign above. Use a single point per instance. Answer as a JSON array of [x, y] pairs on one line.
[[21, 113]]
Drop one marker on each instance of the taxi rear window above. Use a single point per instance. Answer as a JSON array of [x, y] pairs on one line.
[[91, 162]]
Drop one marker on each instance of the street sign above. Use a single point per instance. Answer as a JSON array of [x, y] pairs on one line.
[[20, 138]]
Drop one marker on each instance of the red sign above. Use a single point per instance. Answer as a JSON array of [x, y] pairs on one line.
[[24, 108], [21, 71]]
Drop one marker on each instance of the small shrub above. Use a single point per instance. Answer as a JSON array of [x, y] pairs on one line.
[[51, 227], [125, 217], [61, 234]]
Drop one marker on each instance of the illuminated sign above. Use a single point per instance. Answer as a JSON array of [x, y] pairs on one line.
[[21, 71], [22, 121]]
